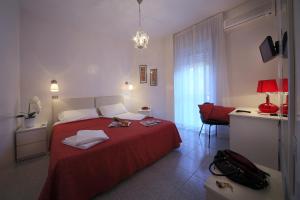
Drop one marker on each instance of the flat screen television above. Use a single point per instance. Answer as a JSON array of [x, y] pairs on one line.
[[267, 49]]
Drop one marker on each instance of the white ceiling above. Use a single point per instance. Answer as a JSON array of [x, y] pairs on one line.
[[120, 17]]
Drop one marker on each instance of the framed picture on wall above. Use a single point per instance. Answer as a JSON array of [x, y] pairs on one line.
[[143, 73], [153, 77]]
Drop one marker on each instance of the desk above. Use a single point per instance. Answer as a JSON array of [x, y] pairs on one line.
[[256, 136], [273, 192]]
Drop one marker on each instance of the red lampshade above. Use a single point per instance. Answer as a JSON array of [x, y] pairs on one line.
[[285, 88], [285, 85], [267, 86]]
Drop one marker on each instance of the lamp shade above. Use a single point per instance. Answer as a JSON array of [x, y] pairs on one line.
[[54, 86], [285, 89], [130, 87], [267, 86], [285, 85]]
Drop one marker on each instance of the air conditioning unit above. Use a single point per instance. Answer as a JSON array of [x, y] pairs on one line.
[[250, 13]]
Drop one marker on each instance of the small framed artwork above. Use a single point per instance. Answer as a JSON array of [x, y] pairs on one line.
[[143, 73], [153, 77]]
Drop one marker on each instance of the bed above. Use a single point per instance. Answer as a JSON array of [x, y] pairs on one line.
[[82, 174]]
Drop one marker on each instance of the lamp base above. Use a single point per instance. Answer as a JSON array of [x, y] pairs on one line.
[[268, 108], [284, 109]]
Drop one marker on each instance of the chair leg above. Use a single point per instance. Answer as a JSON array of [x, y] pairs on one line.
[[209, 136], [201, 129], [217, 130]]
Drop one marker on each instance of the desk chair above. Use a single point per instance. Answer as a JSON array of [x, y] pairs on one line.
[[213, 115]]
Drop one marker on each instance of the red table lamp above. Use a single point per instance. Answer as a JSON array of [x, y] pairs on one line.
[[285, 89], [267, 86]]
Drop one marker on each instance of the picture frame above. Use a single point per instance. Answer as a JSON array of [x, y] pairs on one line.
[[143, 74], [153, 77]]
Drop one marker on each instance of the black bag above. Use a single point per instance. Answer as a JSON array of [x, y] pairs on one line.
[[239, 169]]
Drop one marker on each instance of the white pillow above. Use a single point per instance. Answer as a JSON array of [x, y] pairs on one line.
[[131, 116], [112, 110], [75, 115]]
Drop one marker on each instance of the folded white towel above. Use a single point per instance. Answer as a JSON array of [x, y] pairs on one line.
[[83, 146], [86, 138]]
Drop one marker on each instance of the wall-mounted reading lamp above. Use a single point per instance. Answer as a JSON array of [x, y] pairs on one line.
[[54, 88], [128, 86]]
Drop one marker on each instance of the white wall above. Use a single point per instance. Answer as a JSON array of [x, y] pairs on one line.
[[245, 64], [9, 78], [84, 63], [158, 55], [87, 64]]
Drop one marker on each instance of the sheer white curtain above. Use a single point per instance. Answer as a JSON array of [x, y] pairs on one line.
[[200, 71]]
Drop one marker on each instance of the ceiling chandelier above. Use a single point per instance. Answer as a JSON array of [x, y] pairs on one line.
[[141, 38]]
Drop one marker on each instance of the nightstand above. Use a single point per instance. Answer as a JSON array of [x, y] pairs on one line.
[[145, 112], [31, 142]]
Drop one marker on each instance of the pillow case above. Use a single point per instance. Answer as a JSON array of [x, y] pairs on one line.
[[112, 110], [74, 115], [131, 116]]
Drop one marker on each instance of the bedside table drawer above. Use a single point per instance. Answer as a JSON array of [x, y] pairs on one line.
[[31, 150], [31, 137]]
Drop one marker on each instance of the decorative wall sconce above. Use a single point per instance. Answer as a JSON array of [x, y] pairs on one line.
[[128, 86], [54, 88]]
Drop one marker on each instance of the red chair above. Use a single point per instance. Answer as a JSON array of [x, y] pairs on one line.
[[214, 115]]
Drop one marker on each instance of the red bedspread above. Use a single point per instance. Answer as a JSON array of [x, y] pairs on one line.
[[82, 174]]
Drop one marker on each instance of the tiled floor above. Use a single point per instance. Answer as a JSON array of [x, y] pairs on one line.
[[179, 175]]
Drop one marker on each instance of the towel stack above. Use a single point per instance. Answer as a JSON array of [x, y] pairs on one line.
[[85, 139]]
